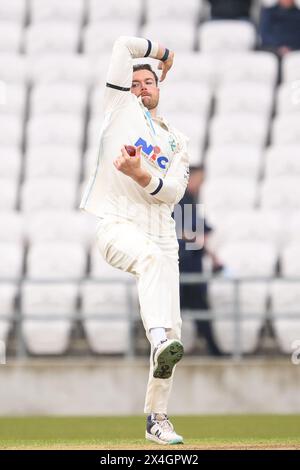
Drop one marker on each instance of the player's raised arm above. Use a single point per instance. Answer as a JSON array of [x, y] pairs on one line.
[[119, 77]]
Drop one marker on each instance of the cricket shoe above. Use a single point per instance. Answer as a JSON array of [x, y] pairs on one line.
[[161, 430], [165, 357]]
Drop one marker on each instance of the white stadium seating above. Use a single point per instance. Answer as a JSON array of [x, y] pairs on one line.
[[57, 10], [52, 37], [226, 35], [280, 193], [10, 37], [239, 128], [13, 100], [288, 98], [290, 67], [168, 9], [8, 293], [176, 33], [47, 316], [11, 255], [48, 193], [56, 261], [285, 130], [228, 194], [11, 130], [252, 299], [60, 97], [173, 96], [285, 300], [114, 9], [290, 260], [13, 68], [14, 232], [14, 10], [55, 129], [98, 38], [54, 162], [10, 162], [8, 194], [282, 160], [247, 97], [233, 161], [71, 68]]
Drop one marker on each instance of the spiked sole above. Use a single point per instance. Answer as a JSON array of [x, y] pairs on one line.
[[150, 437], [167, 359]]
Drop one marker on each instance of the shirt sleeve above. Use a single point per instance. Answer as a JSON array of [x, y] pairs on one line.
[[120, 71], [171, 189]]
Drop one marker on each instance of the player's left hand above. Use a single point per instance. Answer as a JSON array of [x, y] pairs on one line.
[[128, 165]]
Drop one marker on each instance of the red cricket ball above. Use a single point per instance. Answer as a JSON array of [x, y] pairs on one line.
[[131, 150]]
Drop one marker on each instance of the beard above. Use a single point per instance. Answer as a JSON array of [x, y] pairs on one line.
[[149, 102]]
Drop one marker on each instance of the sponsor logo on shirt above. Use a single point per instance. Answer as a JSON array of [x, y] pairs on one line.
[[153, 154]]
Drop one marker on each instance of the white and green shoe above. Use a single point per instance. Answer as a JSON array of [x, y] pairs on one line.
[[161, 430], [165, 357]]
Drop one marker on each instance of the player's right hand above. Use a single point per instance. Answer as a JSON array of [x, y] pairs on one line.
[[165, 66]]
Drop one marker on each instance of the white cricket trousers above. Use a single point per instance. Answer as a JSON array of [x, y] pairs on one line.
[[154, 263]]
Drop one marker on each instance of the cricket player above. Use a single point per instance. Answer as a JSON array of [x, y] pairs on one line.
[[141, 172]]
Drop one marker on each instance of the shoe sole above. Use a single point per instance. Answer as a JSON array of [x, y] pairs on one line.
[[150, 437], [167, 359]]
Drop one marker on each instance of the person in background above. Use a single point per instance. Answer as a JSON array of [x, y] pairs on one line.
[[230, 9], [279, 27], [196, 232]]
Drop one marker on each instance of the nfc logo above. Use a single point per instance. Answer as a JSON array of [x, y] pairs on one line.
[[153, 153]]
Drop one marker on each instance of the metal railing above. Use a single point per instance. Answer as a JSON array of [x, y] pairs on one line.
[[131, 315]]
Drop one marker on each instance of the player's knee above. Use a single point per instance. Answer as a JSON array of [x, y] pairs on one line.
[[152, 259]]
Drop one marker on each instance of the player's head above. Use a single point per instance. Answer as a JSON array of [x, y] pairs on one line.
[[144, 84]]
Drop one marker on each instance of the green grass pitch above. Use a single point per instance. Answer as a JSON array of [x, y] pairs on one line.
[[200, 432]]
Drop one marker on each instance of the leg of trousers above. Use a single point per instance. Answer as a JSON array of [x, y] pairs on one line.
[[155, 266]]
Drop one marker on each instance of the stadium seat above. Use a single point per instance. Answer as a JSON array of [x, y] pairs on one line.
[[288, 98], [8, 194], [57, 10], [10, 37], [94, 130], [282, 160], [228, 194], [14, 10], [251, 66], [55, 129], [252, 300], [58, 98], [99, 38], [248, 226], [47, 316], [189, 10], [285, 130], [10, 162], [173, 97], [48, 193], [233, 161], [52, 37], [97, 101], [280, 193], [71, 68], [226, 36], [13, 100], [11, 130], [188, 335], [292, 227], [53, 162], [11, 255], [56, 261], [14, 224], [239, 128], [290, 260], [90, 160], [194, 69], [13, 68], [8, 293], [290, 67], [108, 330], [178, 34], [245, 97], [114, 10], [63, 226], [285, 300], [249, 258]]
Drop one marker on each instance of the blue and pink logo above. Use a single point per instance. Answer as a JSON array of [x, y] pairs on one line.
[[153, 153]]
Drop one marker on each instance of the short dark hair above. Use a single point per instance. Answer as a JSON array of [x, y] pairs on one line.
[[145, 67]]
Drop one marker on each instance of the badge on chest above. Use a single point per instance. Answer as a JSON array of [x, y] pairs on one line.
[[153, 155]]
